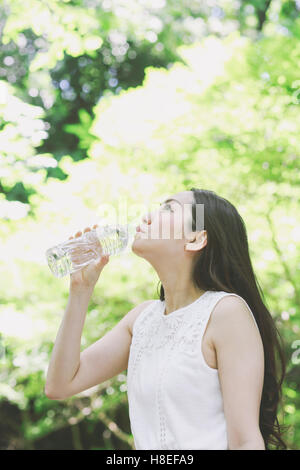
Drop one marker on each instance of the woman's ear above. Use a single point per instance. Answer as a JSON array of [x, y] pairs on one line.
[[196, 241]]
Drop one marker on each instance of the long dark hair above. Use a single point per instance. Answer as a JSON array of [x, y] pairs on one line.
[[224, 264]]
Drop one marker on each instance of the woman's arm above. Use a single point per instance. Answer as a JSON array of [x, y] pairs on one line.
[[65, 357], [240, 359]]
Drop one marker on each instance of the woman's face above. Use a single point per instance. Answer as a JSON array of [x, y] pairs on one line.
[[165, 230]]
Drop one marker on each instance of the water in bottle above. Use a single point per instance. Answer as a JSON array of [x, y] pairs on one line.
[[72, 255]]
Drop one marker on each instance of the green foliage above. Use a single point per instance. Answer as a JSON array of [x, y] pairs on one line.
[[101, 106], [81, 130]]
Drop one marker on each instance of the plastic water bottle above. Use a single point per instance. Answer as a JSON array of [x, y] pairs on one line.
[[73, 255]]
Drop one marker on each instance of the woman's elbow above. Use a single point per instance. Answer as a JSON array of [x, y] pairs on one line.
[[254, 442]]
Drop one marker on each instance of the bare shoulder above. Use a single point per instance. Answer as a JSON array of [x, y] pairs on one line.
[[232, 312], [135, 312], [232, 328]]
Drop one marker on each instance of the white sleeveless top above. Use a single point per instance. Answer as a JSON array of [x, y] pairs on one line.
[[174, 397]]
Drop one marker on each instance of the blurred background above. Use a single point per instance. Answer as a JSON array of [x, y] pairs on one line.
[[113, 100]]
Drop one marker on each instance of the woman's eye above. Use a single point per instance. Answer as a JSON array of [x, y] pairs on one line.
[[168, 206]]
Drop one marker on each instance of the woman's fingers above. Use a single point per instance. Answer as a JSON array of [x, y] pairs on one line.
[[79, 233]]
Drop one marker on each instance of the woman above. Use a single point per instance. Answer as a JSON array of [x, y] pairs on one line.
[[201, 369]]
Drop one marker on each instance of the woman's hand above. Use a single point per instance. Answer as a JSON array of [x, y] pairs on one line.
[[87, 277]]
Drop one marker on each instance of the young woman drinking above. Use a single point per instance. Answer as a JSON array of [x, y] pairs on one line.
[[204, 361]]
